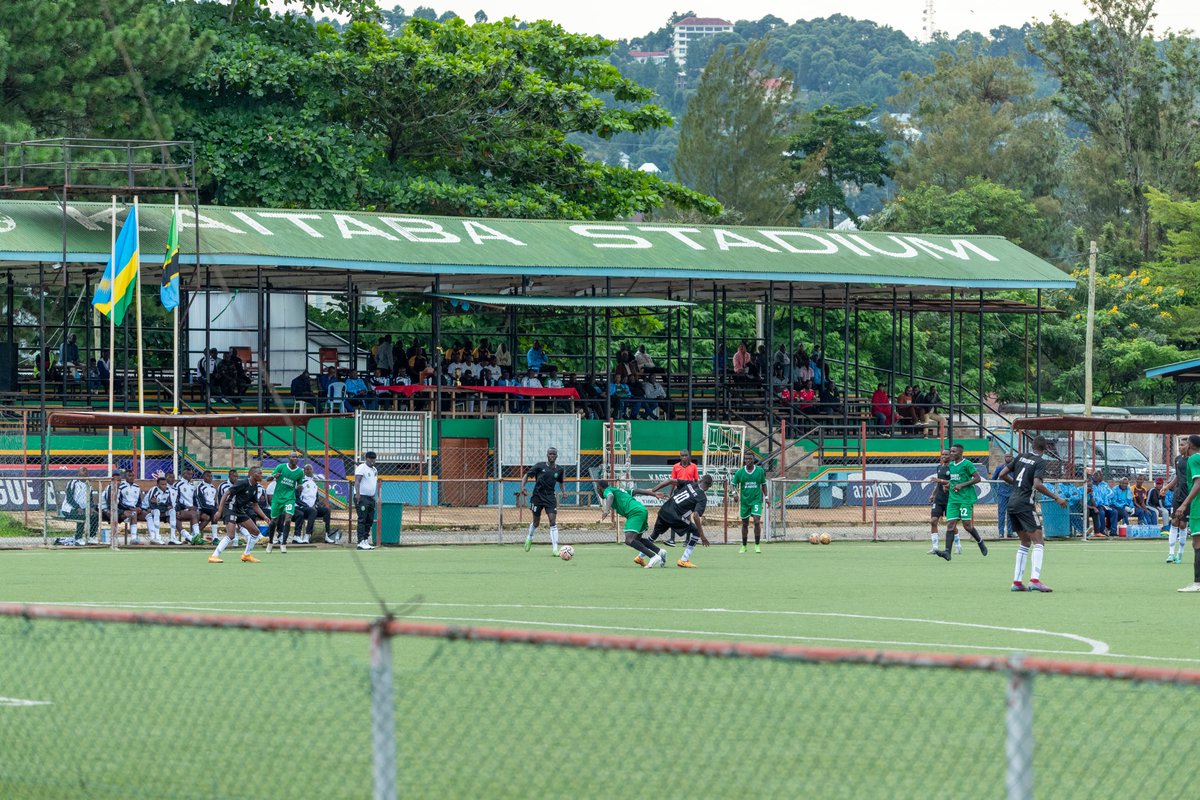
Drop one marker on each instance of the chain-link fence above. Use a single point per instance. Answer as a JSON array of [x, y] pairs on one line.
[[115, 704]]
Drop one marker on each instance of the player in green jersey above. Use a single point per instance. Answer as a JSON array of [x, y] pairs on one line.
[[287, 479], [1188, 513], [624, 504], [749, 482], [961, 507]]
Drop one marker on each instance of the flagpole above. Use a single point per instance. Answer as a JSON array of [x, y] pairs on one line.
[[175, 362], [112, 354], [137, 283]]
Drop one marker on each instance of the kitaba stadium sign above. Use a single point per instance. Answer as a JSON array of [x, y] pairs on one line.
[[20, 494], [32, 231]]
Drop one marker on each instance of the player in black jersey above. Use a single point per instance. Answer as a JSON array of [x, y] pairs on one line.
[[937, 509], [546, 476], [681, 514], [237, 509], [1178, 486], [1024, 474]]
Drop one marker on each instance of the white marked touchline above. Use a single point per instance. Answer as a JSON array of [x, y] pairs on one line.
[[1098, 648], [16, 702]]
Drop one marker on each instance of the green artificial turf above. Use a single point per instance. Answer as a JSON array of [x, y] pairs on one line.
[[159, 712]]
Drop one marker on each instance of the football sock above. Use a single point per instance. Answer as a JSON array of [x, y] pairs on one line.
[[251, 539], [687, 552], [641, 547], [1173, 538], [529, 535], [757, 535], [1019, 572], [285, 529], [745, 537], [554, 536], [975, 535], [957, 543], [195, 529], [133, 531], [933, 541], [1036, 562], [221, 545]]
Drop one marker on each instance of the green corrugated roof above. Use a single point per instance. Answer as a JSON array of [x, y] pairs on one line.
[[31, 231], [598, 301]]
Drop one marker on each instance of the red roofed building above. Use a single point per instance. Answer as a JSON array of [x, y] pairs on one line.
[[691, 28]]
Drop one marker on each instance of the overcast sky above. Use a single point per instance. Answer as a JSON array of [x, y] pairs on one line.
[[624, 19]]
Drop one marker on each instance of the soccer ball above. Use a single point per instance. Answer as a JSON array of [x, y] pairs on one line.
[[566, 553], [826, 538], [814, 539]]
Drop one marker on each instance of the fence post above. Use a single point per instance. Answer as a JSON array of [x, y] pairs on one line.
[[1018, 721], [383, 721]]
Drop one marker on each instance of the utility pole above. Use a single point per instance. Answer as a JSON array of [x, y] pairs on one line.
[[1088, 346]]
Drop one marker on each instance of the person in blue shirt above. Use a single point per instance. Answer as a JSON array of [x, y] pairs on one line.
[[1097, 502], [536, 357], [1003, 492], [356, 391], [1120, 503]]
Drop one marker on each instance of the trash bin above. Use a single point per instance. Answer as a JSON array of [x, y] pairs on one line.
[[391, 521], [1056, 521]]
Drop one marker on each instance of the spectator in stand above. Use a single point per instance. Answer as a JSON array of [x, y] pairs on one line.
[[881, 407], [418, 365], [530, 381], [206, 367], [807, 397], [627, 371], [302, 388], [741, 361], [933, 407], [625, 354], [1156, 501], [1097, 500], [327, 377], [800, 358], [718, 359], [69, 356], [536, 359], [482, 352], [1141, 507], [820, 376], [357, 393], [1120, 504], [654, 395], [620, 394], [383, 356], [503, 357], [804, 373], [762, 362], [490, 374], [906, 411], [1003, 493], [645, 363], [781, 364]]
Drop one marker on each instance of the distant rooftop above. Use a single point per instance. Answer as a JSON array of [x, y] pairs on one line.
[[648, 53], [703, 21]]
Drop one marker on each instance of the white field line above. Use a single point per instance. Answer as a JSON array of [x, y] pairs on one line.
[[16, 702]]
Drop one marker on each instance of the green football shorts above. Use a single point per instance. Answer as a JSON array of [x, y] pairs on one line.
[[959, 510]]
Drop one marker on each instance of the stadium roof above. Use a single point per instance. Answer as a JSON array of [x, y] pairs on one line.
[[1181, 371], [317, 250], [598, 301]]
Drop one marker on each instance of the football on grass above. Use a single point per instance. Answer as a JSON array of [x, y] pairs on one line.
[[814, 539], [826, 538], [566, 553]]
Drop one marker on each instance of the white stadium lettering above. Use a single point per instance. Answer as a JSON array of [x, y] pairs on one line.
[[594, 232], [425, 231], [480, 233], [960, 247], [295, 218], [779, 238], [678, 233], [353, 226], [727, 240]]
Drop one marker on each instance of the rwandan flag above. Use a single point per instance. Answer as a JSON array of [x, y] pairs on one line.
[[169, 290], [115, 292]]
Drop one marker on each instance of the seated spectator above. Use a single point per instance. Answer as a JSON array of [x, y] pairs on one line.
[[96, 381], [800, 357], [625, 354], [490, 374], [741, 361], [1120, 504], [620, 394], [645, 364], [503, 357], [1156, 501], [806, 398], [302, 388], [804, 374], [1097, 501], [1141, 496], [718, 360], [327, 377], [628, 371], [357, 393], [653, 395], [536, 358], [383, 355], [530, 381], [881, 407], [762, 362], [906, 411], [482, 352]]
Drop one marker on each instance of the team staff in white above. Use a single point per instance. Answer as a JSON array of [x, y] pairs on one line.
[[186, 514], [366, 488], [206, 501], [159, 502], [75, 506], [310, 506]]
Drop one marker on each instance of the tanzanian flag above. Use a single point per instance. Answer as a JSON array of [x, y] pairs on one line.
[[115, 292], [169, 291]]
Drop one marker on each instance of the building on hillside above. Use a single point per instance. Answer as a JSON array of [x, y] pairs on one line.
[[689, 29], [651, 56]]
